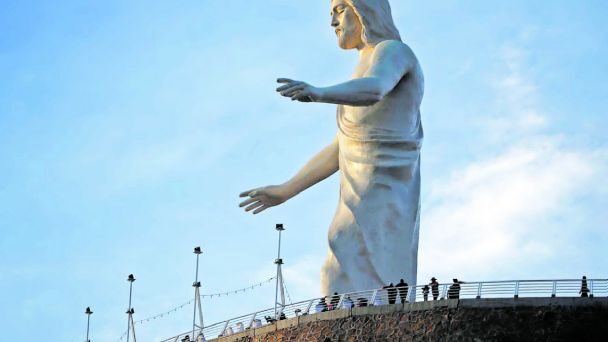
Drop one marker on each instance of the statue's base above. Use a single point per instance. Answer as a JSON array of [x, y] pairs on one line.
[[517, 319]]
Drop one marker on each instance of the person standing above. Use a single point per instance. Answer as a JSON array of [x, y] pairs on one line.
[[403, 288], [454, 290], [362, 302], [425, 293], [434, 288], [348, 303], [392, 293], [584, 292], [335, 300], [321, 305]]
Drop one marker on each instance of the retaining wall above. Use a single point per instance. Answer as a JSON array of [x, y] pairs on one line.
[[520, 319]]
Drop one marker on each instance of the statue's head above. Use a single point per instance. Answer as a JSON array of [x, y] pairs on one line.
[[361, 23]]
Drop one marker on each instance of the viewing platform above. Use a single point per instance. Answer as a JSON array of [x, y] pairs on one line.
[[489, 311]]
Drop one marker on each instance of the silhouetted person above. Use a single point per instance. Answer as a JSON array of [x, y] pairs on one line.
[[321, 305], [323, 302], [454, 290], [348, 303], [584, 289], [335, 299], [361, 302], [403, 287], [379, 298], [392, 293], [434, 288], [425, 292]]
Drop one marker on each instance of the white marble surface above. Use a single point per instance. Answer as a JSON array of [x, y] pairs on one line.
[[373, 238]]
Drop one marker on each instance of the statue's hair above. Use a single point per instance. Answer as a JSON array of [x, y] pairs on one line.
[[376, 19]]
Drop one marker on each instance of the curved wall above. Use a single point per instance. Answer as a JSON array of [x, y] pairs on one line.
[[520, 319]]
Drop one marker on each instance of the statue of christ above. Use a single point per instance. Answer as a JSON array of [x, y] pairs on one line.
[[373, 238]]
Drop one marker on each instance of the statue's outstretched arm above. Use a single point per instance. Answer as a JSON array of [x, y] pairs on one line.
[[321, 166], [390, 61]]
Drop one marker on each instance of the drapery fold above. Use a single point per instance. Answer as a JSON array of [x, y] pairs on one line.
[[373, 238]]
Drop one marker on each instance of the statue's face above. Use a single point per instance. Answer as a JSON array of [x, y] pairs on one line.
[[347, 25]]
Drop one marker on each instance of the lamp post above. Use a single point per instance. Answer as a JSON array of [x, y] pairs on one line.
[[279, 277], [88, 312], [197, 297], [130, 310]]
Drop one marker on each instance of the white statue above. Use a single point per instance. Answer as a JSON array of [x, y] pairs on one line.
[[373, 238]]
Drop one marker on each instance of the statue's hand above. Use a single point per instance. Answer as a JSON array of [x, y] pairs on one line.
[[263, 198], [298, 91]]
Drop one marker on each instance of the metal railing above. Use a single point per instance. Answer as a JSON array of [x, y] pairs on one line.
[[466, 290]]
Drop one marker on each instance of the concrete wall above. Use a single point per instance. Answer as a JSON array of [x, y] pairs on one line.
[[522, 319]]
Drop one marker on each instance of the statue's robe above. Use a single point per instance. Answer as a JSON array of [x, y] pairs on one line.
[[373, 238]]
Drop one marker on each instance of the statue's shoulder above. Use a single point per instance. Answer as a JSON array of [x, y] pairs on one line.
[[394, 48]]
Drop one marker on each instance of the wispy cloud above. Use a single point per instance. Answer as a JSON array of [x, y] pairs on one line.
[[504, 210], [500, 209], [517, 104]]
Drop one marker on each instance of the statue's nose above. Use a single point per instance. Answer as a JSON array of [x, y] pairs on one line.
[[334, 22]]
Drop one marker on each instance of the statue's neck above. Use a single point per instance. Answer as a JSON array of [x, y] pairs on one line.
[[366, 52]]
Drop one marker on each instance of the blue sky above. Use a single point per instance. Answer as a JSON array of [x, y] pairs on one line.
[[127, 130]]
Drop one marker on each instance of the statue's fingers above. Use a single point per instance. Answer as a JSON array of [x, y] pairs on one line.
[[246, 193], [286, 90], [299, 95], [289, 86], [293, 91], [284, 80], [260, 209], [254, 206], [247, 202]]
